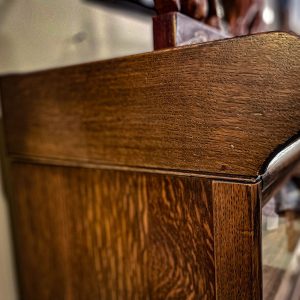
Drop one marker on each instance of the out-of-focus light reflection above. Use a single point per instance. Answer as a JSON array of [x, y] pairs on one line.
[[268, 15]]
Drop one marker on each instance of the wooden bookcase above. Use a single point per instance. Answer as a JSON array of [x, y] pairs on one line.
[[143, 177]]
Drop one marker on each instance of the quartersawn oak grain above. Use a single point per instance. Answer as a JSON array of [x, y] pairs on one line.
[[88, 233], [237, 230], [181, 238], [101, 234], [220, 108]]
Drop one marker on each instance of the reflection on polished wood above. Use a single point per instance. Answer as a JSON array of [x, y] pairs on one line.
[[202, 108], [142, 177], [100, 234]]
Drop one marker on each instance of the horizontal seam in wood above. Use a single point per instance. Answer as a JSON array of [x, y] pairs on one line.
[[98, 165]]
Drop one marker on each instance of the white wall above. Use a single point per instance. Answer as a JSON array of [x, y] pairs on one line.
[[38, 34]]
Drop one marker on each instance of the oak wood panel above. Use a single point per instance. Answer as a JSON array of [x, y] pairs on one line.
[[209, 108], [91, 234], [39, 235], [237, 219], [182, 244]]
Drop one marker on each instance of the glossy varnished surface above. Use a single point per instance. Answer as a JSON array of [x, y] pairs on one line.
[[237, 240], [209, 108], [205, 113], [95, 234]]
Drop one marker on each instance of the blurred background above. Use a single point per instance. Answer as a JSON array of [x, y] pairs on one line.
[[39, 34]]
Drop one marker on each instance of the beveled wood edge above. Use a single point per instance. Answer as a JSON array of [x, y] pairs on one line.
[[96, 165], [280, 168]]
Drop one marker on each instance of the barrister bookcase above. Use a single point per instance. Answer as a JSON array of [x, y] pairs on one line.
[[144, 177]]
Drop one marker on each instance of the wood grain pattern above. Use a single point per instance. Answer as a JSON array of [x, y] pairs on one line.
[[91, 234], [237, 240], [182, 245], [81, 234], [208, 108]]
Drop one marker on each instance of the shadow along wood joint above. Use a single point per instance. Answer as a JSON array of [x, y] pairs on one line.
[[143, 177]]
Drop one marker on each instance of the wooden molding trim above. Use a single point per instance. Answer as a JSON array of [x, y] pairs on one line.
[[280, 169], [237, 228], [220, 107]]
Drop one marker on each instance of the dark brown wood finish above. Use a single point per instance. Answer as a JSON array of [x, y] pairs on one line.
[[167, 6], [165, 31], [174, 29], [181, 238], [205, 108], [206, 117], [242, 17], [237, 219], [95, 234]]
